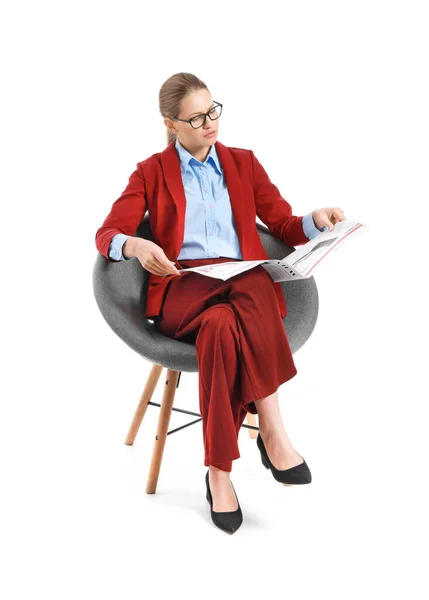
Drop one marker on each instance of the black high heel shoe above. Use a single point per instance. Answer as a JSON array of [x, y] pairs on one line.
[[228, 521], [298, 474]]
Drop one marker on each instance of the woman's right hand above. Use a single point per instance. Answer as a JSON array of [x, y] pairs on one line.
[[152, 257]]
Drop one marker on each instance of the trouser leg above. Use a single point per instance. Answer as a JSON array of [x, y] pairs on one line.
[[218, 354], [242, 349]]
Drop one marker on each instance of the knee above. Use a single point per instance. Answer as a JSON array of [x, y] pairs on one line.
[[221, 316], [219, 326]]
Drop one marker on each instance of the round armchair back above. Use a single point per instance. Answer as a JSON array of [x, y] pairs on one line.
[[120, 290]]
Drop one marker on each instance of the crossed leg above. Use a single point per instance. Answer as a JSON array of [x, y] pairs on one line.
[[242, 350]]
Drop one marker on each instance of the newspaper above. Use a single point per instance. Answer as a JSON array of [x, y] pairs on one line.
[[299, 264]]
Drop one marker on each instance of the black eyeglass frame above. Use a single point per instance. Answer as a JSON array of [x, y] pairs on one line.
[[217, 104]]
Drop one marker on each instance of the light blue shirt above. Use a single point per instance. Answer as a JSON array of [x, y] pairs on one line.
[[209, 222]]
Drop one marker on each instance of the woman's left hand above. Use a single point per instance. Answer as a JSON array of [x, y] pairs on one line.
[[327, 217]]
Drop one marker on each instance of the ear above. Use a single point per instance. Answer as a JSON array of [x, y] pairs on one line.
[[169, 124]]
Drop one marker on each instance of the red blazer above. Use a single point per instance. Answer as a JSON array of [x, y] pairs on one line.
[[156, 186]]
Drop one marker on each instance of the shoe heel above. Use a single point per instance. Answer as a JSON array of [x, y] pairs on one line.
[[264, 462]]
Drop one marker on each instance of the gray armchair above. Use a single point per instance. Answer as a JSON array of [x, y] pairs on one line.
[[120, 291]]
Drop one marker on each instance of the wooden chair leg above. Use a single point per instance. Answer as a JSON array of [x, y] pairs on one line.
[[146, 396], [162, 429], [251, 420]]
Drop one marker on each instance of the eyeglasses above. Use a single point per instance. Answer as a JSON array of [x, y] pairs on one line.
[[198, 121]]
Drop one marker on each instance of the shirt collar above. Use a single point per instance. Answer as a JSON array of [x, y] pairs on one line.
[[185, 158]]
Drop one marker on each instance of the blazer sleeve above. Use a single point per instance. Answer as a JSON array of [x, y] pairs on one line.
[[126, 214], [273, 210]]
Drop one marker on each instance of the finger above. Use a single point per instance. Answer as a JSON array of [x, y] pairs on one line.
[[170, 266], [175, 269], [173, 264], [157, 268], [157, 272], [338, 215], [164, 266], [323, 216], [327, 224]]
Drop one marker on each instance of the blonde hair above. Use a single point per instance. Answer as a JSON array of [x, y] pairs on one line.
[[172, 92]]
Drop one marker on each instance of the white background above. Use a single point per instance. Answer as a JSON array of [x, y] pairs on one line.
[[332, 98]]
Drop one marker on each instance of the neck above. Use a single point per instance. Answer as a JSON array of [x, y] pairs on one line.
[[198, 152]]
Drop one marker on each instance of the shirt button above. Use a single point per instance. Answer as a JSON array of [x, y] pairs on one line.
[[210, 205], [211, 232], [206, 190]]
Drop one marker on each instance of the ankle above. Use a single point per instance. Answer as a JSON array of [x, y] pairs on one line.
[[271, 429], [216, 473], [277, 438]]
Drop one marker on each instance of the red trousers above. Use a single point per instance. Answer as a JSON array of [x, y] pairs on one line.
[[241, 345]]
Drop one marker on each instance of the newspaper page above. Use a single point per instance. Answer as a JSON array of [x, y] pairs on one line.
[[299, 264]]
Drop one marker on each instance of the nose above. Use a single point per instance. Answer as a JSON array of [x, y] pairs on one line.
[[207, 123]]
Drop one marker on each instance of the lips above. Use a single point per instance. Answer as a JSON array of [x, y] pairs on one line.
[[211, 133]]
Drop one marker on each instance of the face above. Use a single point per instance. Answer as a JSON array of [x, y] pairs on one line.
[[194, 139]]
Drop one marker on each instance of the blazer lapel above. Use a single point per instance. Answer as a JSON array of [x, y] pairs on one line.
[[233, 183], [171, 167], [173, 178]]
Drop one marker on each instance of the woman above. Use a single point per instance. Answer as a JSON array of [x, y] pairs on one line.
[[203, 198]]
